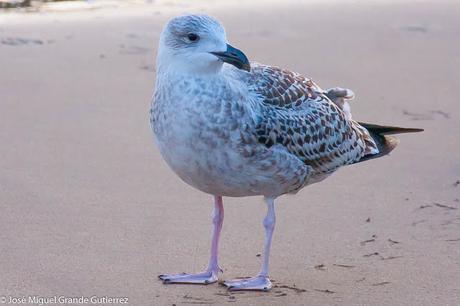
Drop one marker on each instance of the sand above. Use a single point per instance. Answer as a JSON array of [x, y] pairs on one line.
[[88, 207]]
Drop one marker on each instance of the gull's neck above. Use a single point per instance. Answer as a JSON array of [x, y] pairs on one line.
[[188, 71], [167, 65]]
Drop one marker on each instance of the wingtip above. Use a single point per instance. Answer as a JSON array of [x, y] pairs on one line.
[[408, 130], [389, 130]]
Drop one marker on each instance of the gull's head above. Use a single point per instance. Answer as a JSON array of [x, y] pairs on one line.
[[197, 44]]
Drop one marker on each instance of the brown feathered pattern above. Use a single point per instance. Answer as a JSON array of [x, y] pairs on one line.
[[300, 116]]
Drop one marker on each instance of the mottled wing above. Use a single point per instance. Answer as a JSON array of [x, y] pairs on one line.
[[283, 88], [299, 116]]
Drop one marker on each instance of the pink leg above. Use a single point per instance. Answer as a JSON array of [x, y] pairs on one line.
[[217, 220], [260, 282], [211, 274]]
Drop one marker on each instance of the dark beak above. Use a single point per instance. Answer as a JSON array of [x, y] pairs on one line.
[[234, 57]]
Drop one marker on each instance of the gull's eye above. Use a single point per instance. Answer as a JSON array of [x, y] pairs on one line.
[[193, 37]]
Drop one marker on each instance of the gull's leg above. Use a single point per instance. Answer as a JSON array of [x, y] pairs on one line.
[[211, 274], [261, 281]]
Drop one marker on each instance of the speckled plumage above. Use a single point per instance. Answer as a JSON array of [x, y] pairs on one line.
[[234, 130], [266, 132]]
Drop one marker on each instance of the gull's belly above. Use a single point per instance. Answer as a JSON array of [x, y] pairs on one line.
[[212, 168], [217, 167]]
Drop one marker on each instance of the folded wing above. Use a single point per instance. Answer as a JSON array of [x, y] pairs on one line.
[[299, 116]]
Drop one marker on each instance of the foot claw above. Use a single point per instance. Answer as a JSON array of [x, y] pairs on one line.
[[203, 278], [258, 283]]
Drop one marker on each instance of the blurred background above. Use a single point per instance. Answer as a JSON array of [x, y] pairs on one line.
[[88, 207]]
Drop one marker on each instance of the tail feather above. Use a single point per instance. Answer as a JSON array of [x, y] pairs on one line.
[[388, 130], [385, 143]]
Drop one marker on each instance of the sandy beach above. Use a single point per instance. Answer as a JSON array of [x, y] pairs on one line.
[[89, 208]]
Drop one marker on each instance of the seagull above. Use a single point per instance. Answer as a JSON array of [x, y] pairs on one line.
[[234, 128]]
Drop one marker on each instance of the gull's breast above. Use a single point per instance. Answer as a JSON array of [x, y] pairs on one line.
[[205, 158], [199, 138], [208, 141]]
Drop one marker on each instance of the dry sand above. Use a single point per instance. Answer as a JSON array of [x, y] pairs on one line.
[[88, 207]]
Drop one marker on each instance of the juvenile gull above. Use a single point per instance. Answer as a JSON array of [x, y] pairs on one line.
[[233, 128]]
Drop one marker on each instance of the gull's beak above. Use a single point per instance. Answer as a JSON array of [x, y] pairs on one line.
[[234, 57]]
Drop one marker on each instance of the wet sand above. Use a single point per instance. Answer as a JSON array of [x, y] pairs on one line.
[[88, 207]]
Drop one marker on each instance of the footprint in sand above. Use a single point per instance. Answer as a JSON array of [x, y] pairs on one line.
[[17, 41]]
